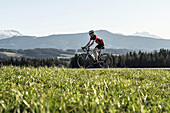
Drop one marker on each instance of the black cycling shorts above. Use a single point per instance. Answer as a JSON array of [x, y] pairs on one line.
[[100, 46]]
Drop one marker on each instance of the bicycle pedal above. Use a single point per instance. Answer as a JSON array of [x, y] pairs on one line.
[[95, 62]]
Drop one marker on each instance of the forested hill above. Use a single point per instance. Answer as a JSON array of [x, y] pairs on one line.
[[37, 53], [50, 53]]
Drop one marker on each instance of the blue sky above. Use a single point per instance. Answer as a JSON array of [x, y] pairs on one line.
[[45, 17]]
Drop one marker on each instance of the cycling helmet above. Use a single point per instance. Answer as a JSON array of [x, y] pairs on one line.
[[91, 31]]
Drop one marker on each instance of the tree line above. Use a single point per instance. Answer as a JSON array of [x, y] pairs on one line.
[[143, 59], [34, 62], [130, 60], [138, 60]]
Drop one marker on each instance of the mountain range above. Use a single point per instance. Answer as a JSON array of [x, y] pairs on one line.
[[76, 41]]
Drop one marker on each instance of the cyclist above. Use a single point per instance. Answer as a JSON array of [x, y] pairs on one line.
[[98, 40]]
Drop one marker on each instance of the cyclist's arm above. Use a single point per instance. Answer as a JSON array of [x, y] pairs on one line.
[[88, 43], [91, 43]]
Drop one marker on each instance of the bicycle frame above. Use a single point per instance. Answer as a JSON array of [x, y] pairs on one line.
[[87, 53], [88, 60]]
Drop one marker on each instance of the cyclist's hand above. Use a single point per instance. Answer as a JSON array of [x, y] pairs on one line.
[[83, 47]]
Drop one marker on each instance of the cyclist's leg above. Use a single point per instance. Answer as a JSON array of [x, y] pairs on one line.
[[95, 52]]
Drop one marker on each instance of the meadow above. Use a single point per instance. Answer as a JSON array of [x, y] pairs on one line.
[[45, 90]]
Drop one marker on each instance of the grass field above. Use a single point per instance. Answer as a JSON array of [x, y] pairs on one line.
[[38, 90], [9, 54], [66, 56]]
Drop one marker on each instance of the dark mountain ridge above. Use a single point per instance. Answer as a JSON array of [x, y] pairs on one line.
[[75, 41]]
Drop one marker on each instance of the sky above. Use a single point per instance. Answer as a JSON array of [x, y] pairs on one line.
[[46, 17]]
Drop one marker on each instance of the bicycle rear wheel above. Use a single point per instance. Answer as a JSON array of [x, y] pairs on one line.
[[105, 61], [84, 62]]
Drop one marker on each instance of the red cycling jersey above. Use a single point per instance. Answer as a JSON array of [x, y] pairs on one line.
[[97, 39]]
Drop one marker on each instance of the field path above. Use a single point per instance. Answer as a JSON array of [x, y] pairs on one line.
[[129, 68]]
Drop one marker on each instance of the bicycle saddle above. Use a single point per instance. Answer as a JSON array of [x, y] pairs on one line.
[[102, 48]]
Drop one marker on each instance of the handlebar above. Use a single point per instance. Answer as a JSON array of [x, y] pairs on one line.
[[85, 49]]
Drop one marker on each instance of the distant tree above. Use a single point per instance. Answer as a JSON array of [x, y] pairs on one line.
[[73, 63]]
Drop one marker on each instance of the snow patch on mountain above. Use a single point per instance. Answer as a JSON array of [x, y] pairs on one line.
[[146, 34], [9, 33]]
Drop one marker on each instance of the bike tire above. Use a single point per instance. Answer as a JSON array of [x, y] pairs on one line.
[[105, 61], [82, 63]]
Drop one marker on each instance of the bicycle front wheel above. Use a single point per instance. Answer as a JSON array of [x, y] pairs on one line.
[[105, 61], [84, 61]]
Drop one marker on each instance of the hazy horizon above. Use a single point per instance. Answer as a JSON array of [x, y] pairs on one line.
[[42, 18], [87, 33]]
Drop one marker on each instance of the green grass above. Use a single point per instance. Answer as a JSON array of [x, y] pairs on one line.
[[55, 89]]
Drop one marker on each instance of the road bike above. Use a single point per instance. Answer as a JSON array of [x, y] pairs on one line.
[[88, 60]]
